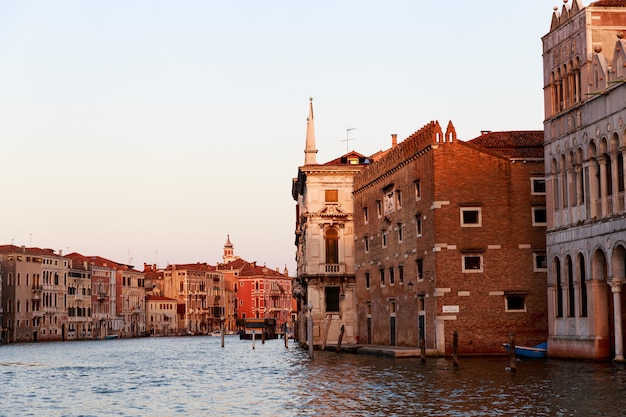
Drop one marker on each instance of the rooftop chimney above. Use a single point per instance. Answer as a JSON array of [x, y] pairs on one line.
[[394, 140]]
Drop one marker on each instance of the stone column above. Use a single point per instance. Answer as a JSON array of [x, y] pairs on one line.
[[594, 192], [616, 289], [603, 186], [614, 183]]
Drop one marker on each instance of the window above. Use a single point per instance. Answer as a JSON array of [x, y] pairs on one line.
[[399, 232], [382, 277], [539, 216], [332, 246], [472, 263], [418, 225], [384, 236], [420, 269], [379, 209], [366, 240], [366, 215], [389, 202], [538, 186], [540, 262], [400, 274], [471, 217], [332, 298], [367, 280], [392, 307], [332, 196], [392, 276], [515, 302], [418, 190], [398, 199]]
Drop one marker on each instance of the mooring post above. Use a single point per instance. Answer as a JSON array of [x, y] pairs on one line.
[[423, 349], [253, 337], [455, 345], [340, 337], [222, 319], [512, 359], [310, 330], [286, 337], [263, 336]]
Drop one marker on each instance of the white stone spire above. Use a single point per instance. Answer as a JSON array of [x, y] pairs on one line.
[[310, 151]]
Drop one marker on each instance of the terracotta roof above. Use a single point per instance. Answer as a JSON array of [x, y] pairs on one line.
[[518, 144], [608, 3], [343, 159], [30, 251]]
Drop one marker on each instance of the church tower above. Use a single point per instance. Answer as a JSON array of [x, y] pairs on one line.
[[309, 150], [229, 253]]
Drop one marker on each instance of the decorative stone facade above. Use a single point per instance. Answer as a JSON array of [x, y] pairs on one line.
[[584, 68], [325, 243]]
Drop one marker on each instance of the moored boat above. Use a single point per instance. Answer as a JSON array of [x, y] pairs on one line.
[[537, 351]]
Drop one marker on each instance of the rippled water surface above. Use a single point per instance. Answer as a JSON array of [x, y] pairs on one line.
[[194, 376]]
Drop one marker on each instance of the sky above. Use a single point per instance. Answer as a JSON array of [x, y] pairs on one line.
[[147, 131]]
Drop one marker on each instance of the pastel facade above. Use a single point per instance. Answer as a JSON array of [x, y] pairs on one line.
[[449, 238], [584, 70], [131, 300], [199, 304], [161, 315], [79, 302], [34, 294]]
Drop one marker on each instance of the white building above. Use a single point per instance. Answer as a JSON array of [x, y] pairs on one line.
[[325, 242]]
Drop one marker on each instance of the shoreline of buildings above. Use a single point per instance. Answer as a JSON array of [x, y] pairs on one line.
[[49, 296]]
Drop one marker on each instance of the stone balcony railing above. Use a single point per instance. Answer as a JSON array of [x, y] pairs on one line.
[[326, 269]]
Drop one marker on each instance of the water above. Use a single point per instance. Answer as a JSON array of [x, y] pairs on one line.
[[194, 376]]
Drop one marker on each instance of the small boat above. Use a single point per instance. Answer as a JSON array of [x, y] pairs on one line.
[[538, 351], [216, 333], [110, 336]]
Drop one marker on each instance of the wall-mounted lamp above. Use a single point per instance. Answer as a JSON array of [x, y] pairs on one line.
[[410, 285]]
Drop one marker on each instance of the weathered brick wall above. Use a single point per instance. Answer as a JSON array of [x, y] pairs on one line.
[[452, 175]]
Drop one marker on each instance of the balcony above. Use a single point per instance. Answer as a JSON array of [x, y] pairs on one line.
[[101, 296], [37, 288]]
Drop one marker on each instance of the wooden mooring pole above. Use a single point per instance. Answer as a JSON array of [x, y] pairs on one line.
[[340, 338], [455, 345], [423, 349], [512, 358]]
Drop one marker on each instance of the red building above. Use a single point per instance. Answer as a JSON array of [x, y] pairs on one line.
[[450, 236]]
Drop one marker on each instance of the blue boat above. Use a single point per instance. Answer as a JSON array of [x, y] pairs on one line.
[[538, 351]]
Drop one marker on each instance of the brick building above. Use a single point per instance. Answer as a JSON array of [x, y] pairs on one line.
[[584, 68], [449, 236]]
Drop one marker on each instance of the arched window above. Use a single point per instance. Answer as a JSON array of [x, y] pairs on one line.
[[583, 286], [182, 286], [559, 288], [332, 246], [571, 297]]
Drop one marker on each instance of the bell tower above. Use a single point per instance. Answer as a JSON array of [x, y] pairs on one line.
[[229, 254]]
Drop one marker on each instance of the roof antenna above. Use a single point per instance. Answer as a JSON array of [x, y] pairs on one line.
[[348, 138]]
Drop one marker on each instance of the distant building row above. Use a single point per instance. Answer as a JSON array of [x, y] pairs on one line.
[[48, 296]]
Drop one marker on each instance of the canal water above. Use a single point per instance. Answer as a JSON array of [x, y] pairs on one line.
[[194, 376]]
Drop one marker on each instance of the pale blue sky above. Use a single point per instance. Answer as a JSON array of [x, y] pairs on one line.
[[152, 129]]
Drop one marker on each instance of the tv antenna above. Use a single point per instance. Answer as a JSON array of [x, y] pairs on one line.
[[348, 138]]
